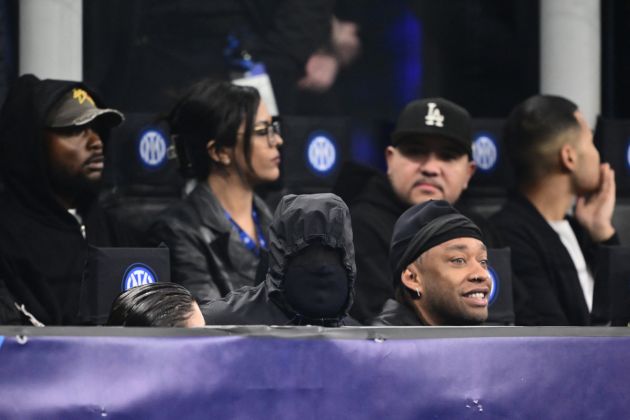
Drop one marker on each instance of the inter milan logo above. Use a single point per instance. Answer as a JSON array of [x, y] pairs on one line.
[[152, 148], [434, 116], [494, 289], [321, 152], [137, 275], [485, 153]]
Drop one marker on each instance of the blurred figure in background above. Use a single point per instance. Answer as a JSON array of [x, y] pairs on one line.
[[142, 53]]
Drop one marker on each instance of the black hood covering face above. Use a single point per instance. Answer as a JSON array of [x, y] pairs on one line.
[[22, 156], [301, 220]]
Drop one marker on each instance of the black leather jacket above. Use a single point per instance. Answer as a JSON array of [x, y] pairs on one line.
[[207, 255]]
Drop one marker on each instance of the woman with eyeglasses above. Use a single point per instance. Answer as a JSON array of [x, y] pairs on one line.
[[227, 140]]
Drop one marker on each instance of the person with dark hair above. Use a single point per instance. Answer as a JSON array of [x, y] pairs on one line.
[[52, 134], [556, 257], [440, 269], [310, 279], [231, 144], [159, 304], [430, 158]]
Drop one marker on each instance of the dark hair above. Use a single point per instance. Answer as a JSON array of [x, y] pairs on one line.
[[152, 305], [531, 129], [212, 110]]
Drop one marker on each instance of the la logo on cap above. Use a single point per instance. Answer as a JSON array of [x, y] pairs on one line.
[[434, 116]]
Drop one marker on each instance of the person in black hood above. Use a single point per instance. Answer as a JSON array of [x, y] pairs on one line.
[[51, 157], [310, 279]]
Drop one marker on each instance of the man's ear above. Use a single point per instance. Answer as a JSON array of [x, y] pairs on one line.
[[412, 279], [568, 157], [471, 168], [218, 155], [390, 151]]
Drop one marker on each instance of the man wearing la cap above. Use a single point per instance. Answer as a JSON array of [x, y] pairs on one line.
[[51, 157], [440, 269], [429, 158]]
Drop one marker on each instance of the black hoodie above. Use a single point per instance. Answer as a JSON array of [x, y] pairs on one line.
[[299, 220], [40, 241]]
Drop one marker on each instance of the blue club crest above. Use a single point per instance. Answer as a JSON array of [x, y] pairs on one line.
[[485, 152], [494, 289], [321, 152], [152, 149], [137, 275]]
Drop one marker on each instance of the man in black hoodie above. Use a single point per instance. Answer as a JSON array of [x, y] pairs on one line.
[[51, 158], [311, 271]]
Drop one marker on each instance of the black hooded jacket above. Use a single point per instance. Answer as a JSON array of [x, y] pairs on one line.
[[41, 243], [299, 221]]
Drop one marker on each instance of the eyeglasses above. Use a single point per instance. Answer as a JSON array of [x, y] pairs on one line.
[[271, 130]]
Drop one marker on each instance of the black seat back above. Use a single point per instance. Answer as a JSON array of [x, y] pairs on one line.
[[501, 301], [141, 174], [111, 271], [313, 152], [493, 176]]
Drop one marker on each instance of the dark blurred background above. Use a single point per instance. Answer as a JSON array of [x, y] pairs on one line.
[[482, 54]]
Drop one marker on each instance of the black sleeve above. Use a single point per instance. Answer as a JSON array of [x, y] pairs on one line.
[[9, 315], [292, 28], [189, 265], [542, 306]]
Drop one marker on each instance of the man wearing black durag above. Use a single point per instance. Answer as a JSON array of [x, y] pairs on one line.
[[311, 270], [52, 134], [440, 267]]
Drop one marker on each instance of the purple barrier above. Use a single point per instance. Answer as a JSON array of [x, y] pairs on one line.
[[248, 377]]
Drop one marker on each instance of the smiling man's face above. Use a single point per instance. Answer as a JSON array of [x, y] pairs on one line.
[[453, 281], [431, 168]]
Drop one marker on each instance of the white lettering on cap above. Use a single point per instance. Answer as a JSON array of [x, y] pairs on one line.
[[434, 116]]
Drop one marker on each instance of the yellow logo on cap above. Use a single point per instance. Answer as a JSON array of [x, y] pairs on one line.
[[82, 96]]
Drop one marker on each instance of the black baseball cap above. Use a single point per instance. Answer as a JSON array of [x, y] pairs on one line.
[[77, 108], [436, 117]]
